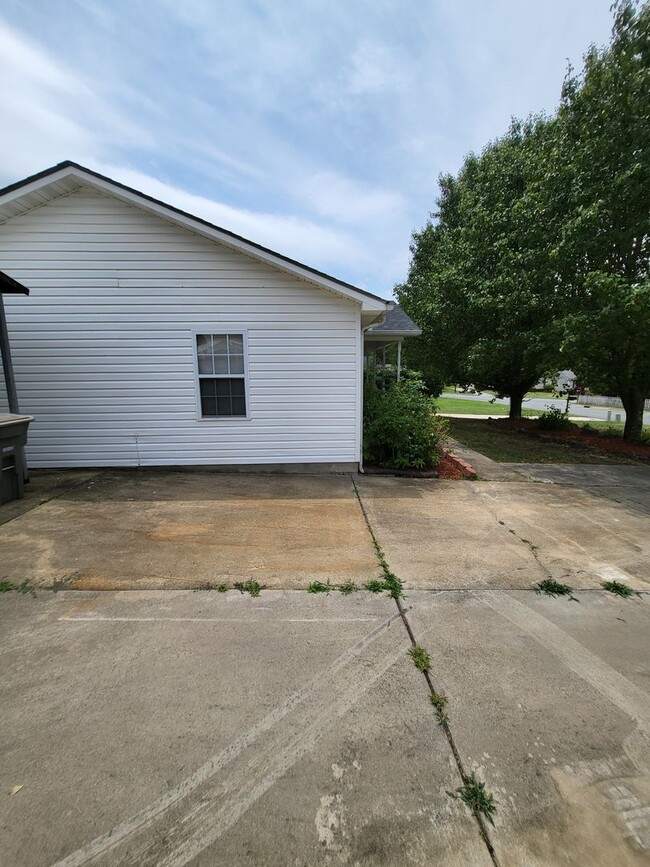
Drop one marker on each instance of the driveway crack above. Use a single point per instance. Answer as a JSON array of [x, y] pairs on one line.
[[436, 698]]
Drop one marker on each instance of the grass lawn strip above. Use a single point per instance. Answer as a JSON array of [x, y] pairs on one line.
[[511, 446]]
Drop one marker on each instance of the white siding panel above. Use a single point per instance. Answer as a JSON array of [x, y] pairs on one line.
[[103, 346]]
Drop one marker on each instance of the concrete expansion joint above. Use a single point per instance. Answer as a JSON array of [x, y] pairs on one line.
[[438, 700], [531, 547]]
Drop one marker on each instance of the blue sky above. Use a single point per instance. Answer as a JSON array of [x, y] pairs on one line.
[[316, 128]]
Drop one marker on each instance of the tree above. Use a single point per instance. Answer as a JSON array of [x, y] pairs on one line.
[[482, 281], [603, 254]]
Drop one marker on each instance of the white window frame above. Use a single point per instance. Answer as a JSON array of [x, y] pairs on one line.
[[231, 332]]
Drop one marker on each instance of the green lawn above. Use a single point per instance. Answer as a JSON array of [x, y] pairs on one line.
[[514, 447], [474, 407], [449, 391], [614, 428]]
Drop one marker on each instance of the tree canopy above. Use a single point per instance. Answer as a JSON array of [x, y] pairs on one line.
[[537, 256], [604, 250]]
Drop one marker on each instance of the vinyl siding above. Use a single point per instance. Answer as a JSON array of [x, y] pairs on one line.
[[103, 346]]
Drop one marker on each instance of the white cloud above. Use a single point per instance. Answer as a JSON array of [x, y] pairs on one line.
[[377, 69], [345, 200], [299, 238], [49, 114]]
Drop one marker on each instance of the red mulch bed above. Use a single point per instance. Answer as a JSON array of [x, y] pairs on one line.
[[577, 437], [450, 466]]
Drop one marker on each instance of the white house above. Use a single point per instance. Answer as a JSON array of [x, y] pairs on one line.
[[151, 337]]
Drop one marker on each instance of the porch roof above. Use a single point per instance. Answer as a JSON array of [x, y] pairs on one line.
[[396, 325]]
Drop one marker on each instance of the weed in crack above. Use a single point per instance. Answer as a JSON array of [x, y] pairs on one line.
[[420, 657], [554, 588], [440, 703], [6, 586], [473, 792], [221, 588], [393, 585], [348, 588], [251, 587], [319, 587], [475, 796], [618, 589]]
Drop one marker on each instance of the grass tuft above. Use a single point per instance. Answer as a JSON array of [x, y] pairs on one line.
[[221, 588], [475, 796], [553, 588], [420, 658], [319, 587], [348, 588], [618, 589], [375, 585], [251, 587], [6, 586]]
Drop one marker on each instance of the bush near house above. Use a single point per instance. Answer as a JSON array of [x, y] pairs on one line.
[[400, 428]]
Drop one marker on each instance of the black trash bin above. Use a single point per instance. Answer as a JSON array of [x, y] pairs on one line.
[[13, 436]]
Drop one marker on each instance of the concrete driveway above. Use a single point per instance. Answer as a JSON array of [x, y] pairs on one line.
[[166, 530], [579, 525], [172, 727]]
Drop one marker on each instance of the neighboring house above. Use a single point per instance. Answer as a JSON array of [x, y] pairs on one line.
[[152, 337]]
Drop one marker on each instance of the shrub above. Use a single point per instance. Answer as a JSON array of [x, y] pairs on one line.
[[553, 419], [401, 430]]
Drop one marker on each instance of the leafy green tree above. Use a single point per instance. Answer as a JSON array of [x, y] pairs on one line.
[[482, 281], [603, 254]]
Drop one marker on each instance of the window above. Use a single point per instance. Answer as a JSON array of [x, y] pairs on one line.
[[222, 377]]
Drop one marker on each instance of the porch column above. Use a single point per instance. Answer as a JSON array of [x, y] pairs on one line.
[[399, 359]]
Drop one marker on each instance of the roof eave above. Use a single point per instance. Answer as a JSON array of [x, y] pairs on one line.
[[380, 335], [367, 300]]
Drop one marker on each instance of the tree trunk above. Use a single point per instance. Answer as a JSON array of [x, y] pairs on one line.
[[516, 399], [633, 403]]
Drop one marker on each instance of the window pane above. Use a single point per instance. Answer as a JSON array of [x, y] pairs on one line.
[[238, 406], [237, 387], [204, 344], [236, 363], [221, 364], [221, 367], [208, 406], [205, 364], [224, 406]]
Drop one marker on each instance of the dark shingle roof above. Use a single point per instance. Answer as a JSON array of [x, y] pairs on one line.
[[396, 323]]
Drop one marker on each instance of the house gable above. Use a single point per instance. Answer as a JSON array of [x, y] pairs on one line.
[[67, 177], [104, 346]]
